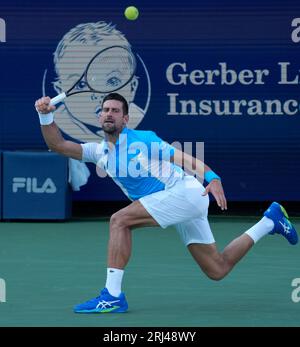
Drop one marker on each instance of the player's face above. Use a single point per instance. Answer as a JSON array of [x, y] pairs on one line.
[[112, 118]]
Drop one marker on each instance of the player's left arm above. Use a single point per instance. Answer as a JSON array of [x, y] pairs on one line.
[[198, 167]]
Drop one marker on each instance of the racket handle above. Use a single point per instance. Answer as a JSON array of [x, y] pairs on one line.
[[60, 97]]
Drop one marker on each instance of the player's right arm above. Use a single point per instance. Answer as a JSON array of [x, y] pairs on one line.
[[52, 134]]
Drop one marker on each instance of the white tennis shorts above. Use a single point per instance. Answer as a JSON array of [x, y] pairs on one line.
[[183, 206]]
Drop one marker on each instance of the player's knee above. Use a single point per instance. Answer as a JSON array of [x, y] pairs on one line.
[[118, 220], [216, 275], [115, 220]]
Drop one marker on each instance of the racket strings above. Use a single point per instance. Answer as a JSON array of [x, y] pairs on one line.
[[111, 69]]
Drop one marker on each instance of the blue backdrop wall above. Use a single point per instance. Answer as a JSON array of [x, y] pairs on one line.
[[225, 73]]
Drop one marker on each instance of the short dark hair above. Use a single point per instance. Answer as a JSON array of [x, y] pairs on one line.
[[119, 97]]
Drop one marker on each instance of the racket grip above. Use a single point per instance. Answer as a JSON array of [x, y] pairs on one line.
[[60, 97]]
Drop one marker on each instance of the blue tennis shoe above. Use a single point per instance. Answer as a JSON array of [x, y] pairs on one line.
[[104, 303], [282, 225]]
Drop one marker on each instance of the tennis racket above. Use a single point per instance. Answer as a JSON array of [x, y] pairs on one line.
[[108, 71]]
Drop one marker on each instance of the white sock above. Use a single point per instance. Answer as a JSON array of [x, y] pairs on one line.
[[260, 229], [114, 281]]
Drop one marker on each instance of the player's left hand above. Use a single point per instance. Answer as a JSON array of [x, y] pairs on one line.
[[216, 189]]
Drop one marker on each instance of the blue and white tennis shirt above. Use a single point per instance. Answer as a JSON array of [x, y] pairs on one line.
[[139, 162]]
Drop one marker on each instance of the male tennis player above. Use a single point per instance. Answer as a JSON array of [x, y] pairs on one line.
[[162, 194]]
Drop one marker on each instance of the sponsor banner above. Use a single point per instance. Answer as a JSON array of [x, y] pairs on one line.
[[35, 186], [223, 73]]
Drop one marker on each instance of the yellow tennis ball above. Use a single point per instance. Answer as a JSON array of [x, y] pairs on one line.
[[131, 13]]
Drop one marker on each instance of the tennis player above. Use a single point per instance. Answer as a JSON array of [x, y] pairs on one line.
[[162, 194]]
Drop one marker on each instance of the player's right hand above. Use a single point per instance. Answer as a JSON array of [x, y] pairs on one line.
[[43, 106]]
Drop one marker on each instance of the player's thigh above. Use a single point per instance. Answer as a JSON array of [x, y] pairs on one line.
[[197, 236], [133, 215], [178, 204]]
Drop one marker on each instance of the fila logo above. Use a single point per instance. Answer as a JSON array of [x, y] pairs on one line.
[[31, 185]]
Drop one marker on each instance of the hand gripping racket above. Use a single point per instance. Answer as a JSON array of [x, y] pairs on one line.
[[108, 71]]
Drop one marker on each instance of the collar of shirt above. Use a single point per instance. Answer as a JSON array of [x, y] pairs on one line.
[[120, 140]]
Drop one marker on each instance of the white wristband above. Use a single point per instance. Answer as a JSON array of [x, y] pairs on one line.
[[46, 119]]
